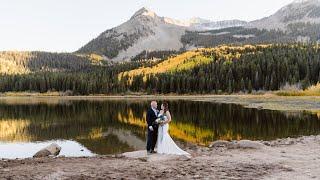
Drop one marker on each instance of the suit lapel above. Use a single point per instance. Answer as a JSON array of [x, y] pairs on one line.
[[154, 112]]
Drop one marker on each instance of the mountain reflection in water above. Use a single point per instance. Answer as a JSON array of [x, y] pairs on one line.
[[108, 127]]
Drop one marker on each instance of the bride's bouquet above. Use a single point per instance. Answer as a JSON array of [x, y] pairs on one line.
[[160, 119]]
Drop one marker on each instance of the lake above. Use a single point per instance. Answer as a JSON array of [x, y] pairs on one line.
[[91, 127]]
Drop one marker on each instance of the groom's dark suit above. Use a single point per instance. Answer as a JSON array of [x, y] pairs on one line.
[[152, 135]]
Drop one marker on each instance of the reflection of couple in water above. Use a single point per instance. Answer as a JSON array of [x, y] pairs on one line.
[[158, 135]]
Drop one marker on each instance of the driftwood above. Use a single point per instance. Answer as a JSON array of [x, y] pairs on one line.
[[51, 150]]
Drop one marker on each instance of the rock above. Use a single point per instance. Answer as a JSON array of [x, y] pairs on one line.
[[243, 144], [143, 159], [246, 144], [267, 143], [118, 156], [42, 153], [259, 107], [219, 143], [51, 150]]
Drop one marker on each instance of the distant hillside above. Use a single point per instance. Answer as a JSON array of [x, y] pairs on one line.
[[191, 59], [230, 69], [234, 35], [195, 58], [223, 69], [12, 62]]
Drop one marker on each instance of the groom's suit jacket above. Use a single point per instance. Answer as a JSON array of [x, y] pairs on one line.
[[151, 118]]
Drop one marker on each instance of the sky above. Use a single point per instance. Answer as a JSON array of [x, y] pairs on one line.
[[66, 25]]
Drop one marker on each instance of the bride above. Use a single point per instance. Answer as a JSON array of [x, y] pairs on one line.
[[165, 144]]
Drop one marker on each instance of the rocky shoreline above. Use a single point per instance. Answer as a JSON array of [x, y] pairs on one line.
[[297, 158]]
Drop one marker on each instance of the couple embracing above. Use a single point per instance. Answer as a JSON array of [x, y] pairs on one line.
[[158, 135]]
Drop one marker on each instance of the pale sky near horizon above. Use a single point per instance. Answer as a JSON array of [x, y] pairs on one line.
[[66, 25]]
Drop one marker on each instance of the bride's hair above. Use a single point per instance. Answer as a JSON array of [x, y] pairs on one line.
[[166, 107]]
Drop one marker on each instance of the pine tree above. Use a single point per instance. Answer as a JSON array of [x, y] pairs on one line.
[[242, 85], [250, 87]]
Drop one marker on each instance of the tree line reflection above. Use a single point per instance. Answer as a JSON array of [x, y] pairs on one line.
[[107, 127]]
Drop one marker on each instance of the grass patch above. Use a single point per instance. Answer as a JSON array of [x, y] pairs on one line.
[[54, 93], [313, 90], [290, 93]]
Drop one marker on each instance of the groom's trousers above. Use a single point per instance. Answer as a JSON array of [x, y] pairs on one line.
[[152, 139]]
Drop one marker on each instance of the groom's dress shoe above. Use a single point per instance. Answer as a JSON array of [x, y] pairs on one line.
[[153, 152]]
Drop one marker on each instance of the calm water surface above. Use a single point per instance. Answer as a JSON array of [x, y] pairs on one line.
[[87, 128]]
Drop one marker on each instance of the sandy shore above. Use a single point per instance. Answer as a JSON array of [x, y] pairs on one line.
[[282, 159]]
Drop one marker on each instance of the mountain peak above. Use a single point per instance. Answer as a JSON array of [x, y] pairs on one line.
[[299, 11], [144, 12]]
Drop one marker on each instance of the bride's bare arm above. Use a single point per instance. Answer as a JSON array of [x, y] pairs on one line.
[[168, 116]]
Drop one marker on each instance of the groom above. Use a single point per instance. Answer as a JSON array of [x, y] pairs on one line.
[[152, 115]]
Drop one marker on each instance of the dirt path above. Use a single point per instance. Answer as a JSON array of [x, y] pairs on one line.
[[283, 159]]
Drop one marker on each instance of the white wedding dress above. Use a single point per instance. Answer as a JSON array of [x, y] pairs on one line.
[[165, 144]]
